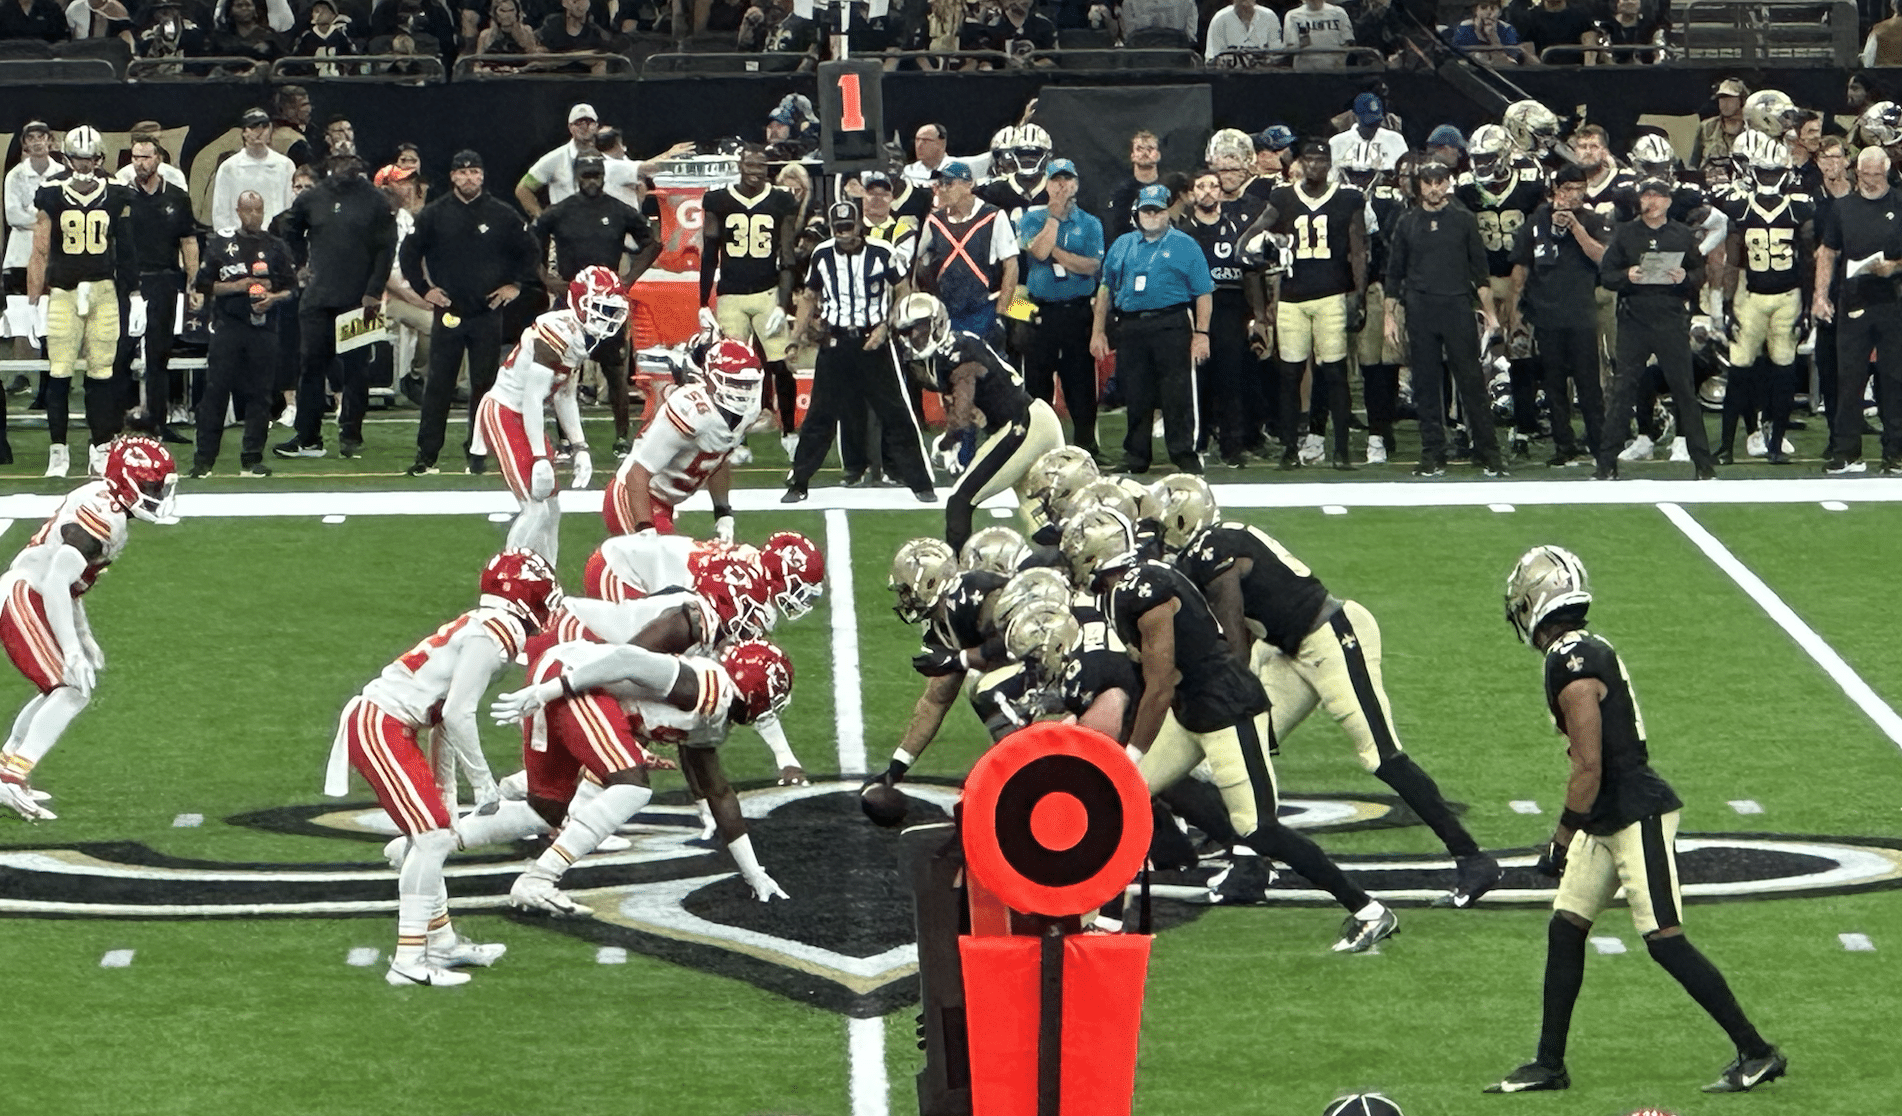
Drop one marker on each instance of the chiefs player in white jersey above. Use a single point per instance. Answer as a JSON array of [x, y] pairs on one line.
[[42, 622], [593, 706], [541, 374], [686, 447], [435, 688]]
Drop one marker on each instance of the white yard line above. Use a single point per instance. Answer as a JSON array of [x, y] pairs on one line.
[[871, 1092], [1805, 636]]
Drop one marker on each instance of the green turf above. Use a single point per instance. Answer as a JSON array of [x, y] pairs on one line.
[[233, 643]]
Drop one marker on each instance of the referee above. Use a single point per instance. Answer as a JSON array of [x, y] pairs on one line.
[[1436, 263], [1150, 278], [1863, 224], [843, 306]]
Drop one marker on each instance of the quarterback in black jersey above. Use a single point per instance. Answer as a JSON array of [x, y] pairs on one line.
[[1309, 649], [976, 382], [1198, 701], [1618, 829]]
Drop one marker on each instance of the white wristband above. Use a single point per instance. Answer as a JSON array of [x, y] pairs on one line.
[[742, 849]]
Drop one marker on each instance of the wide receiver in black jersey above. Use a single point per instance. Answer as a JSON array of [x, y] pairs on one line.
[[1198, 701], [1772, 243], [748, 231], [976, 382], [1619, 827], [1310, 649]]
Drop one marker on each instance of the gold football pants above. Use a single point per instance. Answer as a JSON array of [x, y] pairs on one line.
[[96, 332]]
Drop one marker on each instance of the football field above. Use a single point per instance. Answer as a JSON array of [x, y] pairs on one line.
[[201, 931]]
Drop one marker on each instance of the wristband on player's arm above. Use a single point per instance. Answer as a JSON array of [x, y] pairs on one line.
[[1573, 820], [722, 510]]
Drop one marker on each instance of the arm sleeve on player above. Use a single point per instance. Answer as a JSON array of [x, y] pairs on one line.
[[664, 441], [774, 733], [534, 395], [478, 657], [56, 594], [649, 671], [568, 415]]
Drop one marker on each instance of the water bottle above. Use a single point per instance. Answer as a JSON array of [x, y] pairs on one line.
[[258, 269]]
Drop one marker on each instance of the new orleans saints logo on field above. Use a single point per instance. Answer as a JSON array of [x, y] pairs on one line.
[[672, 897]]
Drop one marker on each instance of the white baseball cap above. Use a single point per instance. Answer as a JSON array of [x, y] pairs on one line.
[[582, 112]]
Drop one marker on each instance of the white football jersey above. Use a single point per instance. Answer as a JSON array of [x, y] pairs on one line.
[[705, 725], [684, 444], [630, 617], [89, 507], [561, 331], [413, 687], [650, 563]]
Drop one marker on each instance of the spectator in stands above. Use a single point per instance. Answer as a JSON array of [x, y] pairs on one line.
[[239, 31], [571, 31], [1883, 47], [276, 14], [427, 23], [1632, 25], [44, 20], [328, 36], [1715, 134], [99, 19], [254, 167], [722, 15], [506, 32], [1379, 25], [1022, 31], [340, 136], [1242, 25], [1158, 23], [172, 35], [1317, 33], [290, 116], [1554, 23], [1487, 38]]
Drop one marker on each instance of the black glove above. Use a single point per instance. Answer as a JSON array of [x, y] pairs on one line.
[[1552, 861], [1356, 312], [936, 662]]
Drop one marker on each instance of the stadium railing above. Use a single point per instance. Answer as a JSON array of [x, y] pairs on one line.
[[722, 62], [1122, 58], [56, 71], [485, 67], [1353, 57], [1823, 31], [208, 67], [1617, 50], [417, 69]]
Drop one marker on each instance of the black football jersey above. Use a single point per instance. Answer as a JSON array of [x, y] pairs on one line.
[[960, 620], [1218, 240], [1501, 213], [1319, 228], [1628, 790], [1005, 194], [1100, 665], [999, 391], [1007, 699], [1216, 691], [1769, 226], [751, 231], [1605, 199], [1385, 204], [1279, 595], [89, 231]]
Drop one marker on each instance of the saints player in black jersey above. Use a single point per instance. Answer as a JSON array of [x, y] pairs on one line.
[[83, 255], [1772, 240], [1377, 356], [1310, 649], [976, 382], [1618, 829], [1198, 701], [1503, 195], [747, 234]]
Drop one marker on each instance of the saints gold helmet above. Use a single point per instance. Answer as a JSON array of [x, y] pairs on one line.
[[921, 572], [997, 549], [1039, 585], [1098, 539], [1043, 636], [1230, 149], [1490, 149], [1104, 492], [1139, 494], [1185, 505], [921, 326], [1546, 579], [1771, 112], [1055, 476], [1881, 122], [1532, 127]]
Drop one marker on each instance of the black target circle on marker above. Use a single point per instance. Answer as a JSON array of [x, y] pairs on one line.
[[1056, 819]]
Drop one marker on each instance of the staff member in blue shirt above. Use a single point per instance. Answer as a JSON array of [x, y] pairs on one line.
[[1151, 278], [1064, 249]]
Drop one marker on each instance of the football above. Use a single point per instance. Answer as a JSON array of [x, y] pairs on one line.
[[885, 805]]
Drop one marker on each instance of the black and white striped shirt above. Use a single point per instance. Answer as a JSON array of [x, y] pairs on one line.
[[854, 289]]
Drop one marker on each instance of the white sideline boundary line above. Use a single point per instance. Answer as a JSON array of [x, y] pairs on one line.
[[871, 1091], [1805, 636]]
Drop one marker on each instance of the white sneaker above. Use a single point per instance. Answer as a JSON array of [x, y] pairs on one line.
[[1753, 445], [789, 443], [96, 460], [741, 455], [1789, 447], [1680, 450], [427, 973], [1313, 449], [1376, 450], [465, 953], [533, 893], [20, 798], [396, 851], [179, 413], [58, 461], [1640, 449]]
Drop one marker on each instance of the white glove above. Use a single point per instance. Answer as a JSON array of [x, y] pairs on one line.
[[775, 322], [39, 316], [95, 654], [708, 827], [79, 673], [764, 889], [135, 318], [584, 468], [723, 528], [541, 479], [519, 705], [708, 321]]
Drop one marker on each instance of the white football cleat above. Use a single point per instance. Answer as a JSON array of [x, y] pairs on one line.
[[514, 787], [1753, 445], [396, 850], [24, 801], [613, 844], [96, 460], [1376, 450], [1313, 449], [425, 973], [1640, 449], [1680, 450], [533, 893], [465, 952], [741, 455], [58, 461]]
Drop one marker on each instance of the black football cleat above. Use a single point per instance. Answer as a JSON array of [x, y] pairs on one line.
[[1244, 883], [1475, 876], [1744, 1074], [1532, 1078]]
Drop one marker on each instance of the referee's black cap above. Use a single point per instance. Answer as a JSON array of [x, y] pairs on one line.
[[843, 213]]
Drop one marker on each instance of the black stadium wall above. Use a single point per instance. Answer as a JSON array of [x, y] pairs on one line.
[[512, 122]]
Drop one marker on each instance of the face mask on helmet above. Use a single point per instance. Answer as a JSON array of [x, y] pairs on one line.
[[795, 570], [922, 326], [1043, 637], [734, 377], [1546, 579], [762, 674], [142, 477], [921, 572], [522, 582]]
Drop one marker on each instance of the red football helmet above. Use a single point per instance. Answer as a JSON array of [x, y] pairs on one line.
[[736, 588], [522, 582], [599, 301], [795, 572], [141, 476], [763, 674], [734, 376]]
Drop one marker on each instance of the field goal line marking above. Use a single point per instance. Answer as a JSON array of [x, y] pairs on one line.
[[1786, 618]]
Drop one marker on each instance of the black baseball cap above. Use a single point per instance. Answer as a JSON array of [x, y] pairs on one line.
[[466, 158], [872, 178], [588, 162], [254, 118], [1432, 168], [1654, 186], [1314, 147], [843, 213], [36, 126]]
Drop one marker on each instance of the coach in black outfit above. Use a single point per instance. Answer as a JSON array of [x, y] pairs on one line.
[[350, 232], [844, 305], [468, 256], [1555, 258], [1866, 222], [1654, 319], [247, 273], [165, 240], [592, 228], [1436, 265]]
